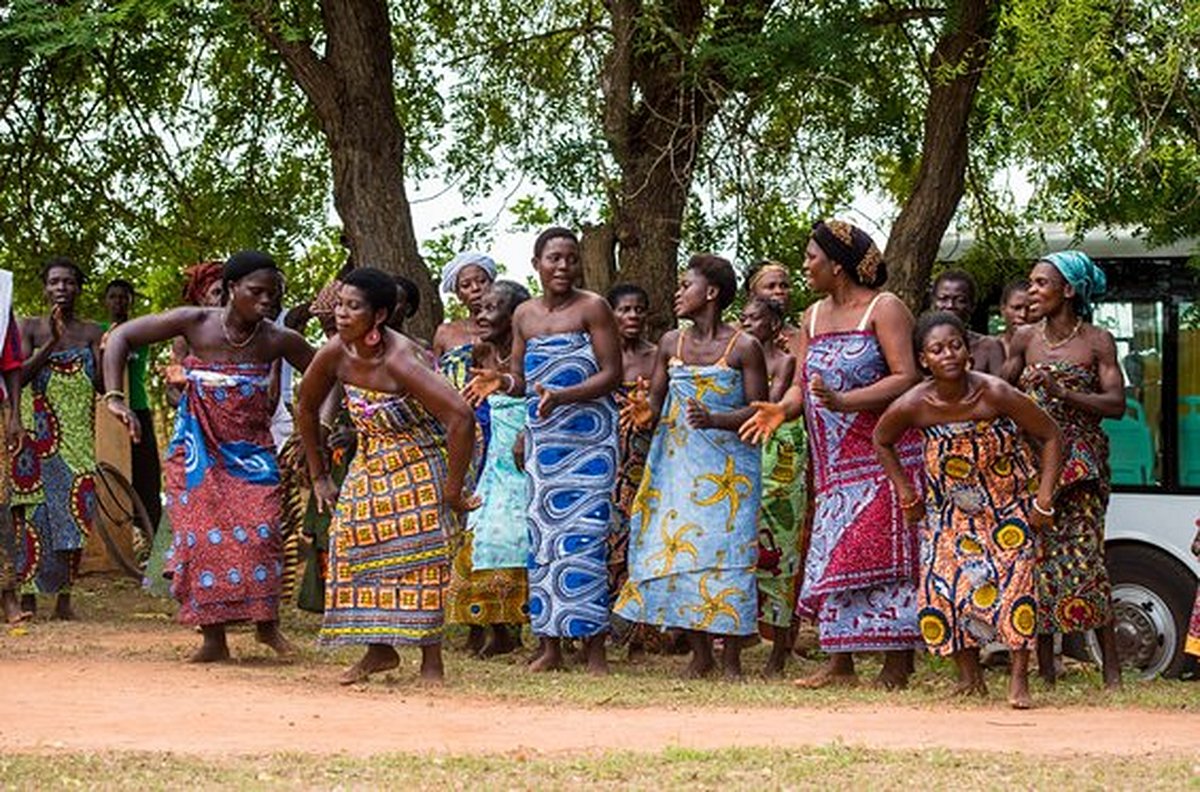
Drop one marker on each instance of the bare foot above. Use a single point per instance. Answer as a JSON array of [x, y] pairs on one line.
[[433, 673], [379, 657], [551, 658], [975, 687], [895, 671], [547, 662], [475, 638], [1018, 694], [62, 608], [597, 655], [268, 633], [501, 642], [777, 660], [637, 653], [700, 667], [29, 603], [211, 652], [13, 614], [826, 677]]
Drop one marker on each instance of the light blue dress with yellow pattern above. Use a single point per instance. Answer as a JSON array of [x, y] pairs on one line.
[[693, 540]]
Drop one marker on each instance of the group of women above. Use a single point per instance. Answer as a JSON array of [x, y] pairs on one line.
[[569, 473]]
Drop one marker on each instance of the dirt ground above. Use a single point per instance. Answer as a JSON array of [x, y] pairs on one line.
[[101, 703]]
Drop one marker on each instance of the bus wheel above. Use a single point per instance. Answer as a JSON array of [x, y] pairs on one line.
[[1152, 602]]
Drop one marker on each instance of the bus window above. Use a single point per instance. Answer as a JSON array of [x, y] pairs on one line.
[[1135, 440], [1189, 394]]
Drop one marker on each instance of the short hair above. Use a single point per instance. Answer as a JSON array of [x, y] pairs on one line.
[[243, 263], [120, 283], [377, 286], [623, 290], [412, 295], [930, 321], [955, 276], [718, 272], [774, 310], [1010, 288], [66, 263], [554, 232], [513, 292]]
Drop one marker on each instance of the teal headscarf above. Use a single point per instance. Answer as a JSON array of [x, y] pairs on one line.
[[1085, 277]]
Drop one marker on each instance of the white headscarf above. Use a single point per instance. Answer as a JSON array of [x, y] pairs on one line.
[[456, 265]]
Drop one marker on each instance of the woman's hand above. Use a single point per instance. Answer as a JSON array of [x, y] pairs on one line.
[[698, 416], [119, 408], [58, 327], [1041, 517], [1196, 544], [634, 410], [463, 502], [518, 451], [824, 395], [758, 428], [325, 492], [1050, 384], [483, 383], [547, 400], [913, 507], [14, 433]]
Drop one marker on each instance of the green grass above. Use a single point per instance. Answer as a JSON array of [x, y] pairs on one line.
[[120, 621], [816, 768]]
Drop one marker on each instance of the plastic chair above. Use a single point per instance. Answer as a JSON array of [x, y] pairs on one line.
[[1189, 441], [1131, 446]]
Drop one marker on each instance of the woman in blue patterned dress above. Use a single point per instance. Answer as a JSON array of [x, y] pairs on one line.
[[693, 536], [566, 360]]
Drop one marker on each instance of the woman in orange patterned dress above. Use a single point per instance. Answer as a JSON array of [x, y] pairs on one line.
[[977, 547], [388, 561]]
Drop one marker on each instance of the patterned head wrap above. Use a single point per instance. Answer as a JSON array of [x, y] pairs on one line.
[[766, 269], [853, 248], [461, 261], [326, 299], [198, 279], [1088, 280]]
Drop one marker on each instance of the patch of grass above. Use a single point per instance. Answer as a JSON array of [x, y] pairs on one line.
[[119, 620], [726, 769]]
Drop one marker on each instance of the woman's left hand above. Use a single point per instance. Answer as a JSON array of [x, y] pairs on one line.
[[698, 416], [1038, 518], [824, 395], [464, 502], [547, 400]]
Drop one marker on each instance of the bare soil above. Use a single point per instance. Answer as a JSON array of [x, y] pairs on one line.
[[77, 703]]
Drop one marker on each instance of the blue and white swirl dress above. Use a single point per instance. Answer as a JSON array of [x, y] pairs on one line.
[[571, 458]]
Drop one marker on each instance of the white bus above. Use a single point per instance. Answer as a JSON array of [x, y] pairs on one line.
[[1152, 308]]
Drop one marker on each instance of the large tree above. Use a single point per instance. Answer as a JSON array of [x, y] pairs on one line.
[[351, 87]]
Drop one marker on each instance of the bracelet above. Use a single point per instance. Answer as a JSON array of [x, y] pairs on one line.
[[328, 427], [906, 506], [1037, 507], [512, 383], [114, 394]]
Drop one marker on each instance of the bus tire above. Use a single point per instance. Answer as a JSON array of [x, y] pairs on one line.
[[1153, 596]]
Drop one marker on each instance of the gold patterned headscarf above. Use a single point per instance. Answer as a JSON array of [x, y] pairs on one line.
[[853, 248]]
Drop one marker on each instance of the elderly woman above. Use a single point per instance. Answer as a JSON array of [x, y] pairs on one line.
[[855, 358], [467, 277], [1069, 367]]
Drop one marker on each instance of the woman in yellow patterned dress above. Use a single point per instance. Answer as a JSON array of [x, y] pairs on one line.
[[388, 563], [980, 508]]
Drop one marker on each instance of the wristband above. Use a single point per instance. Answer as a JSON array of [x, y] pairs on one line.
[[512, 383], [1037, 507], [114, 394], [906, 506]]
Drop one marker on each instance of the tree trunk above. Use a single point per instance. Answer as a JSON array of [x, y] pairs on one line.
[[351, 92], [955, 70], [656, 138], [597, 250]]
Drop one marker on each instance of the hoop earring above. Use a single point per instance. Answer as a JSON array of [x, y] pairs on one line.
[[372, 338]]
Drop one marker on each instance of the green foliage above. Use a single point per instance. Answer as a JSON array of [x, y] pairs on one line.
[[137, 157]]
